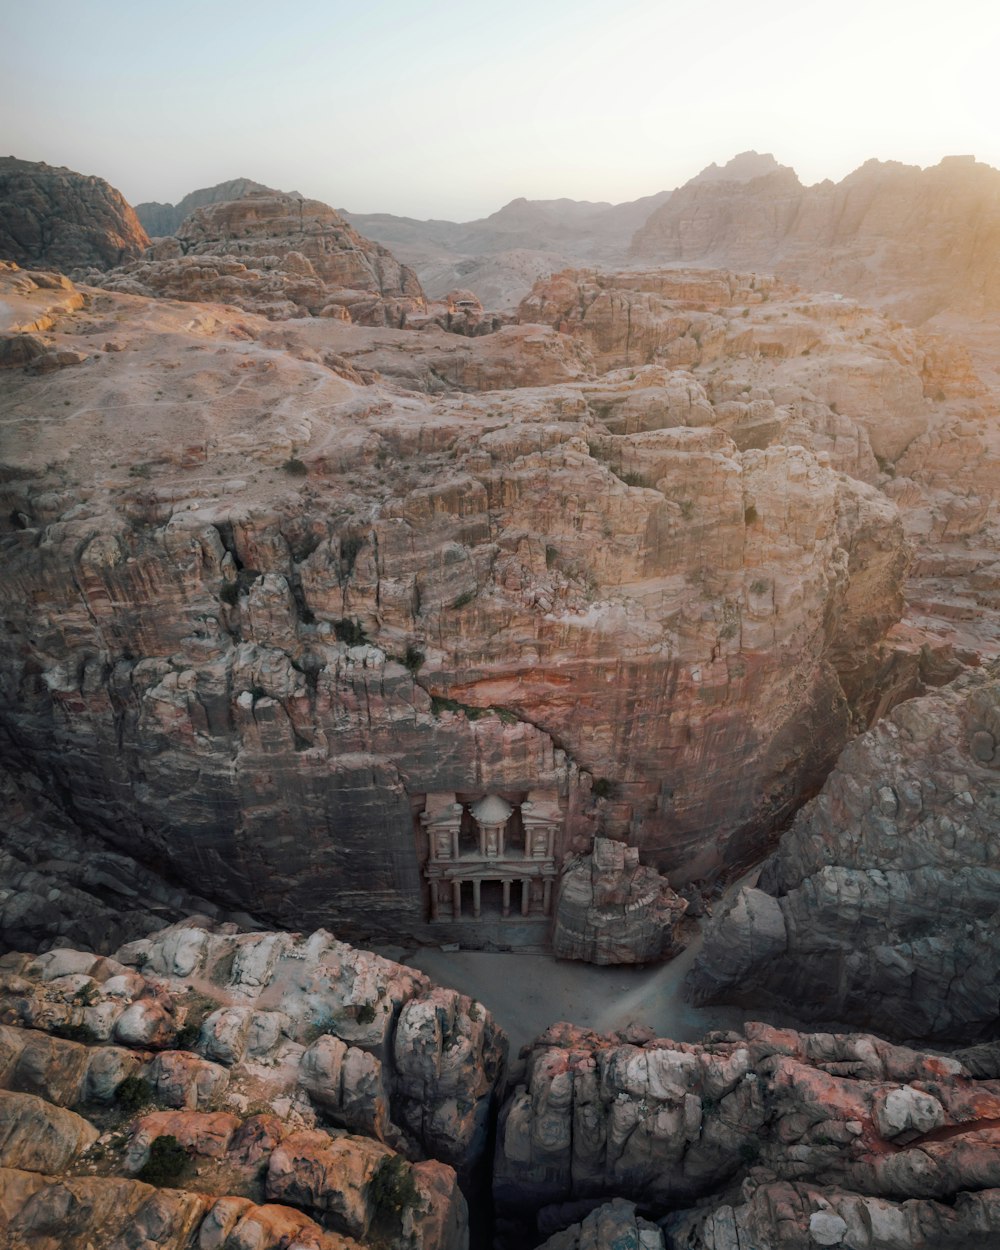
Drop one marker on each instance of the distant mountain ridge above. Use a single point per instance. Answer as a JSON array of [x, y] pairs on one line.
[[915, 241]]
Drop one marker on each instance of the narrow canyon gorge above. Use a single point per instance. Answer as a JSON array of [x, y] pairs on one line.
[[585, 583]]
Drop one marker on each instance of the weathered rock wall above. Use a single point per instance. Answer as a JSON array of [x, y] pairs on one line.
[[251, 678], [879, 905], [663, 1125]]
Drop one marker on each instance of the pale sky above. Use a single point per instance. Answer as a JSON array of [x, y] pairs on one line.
[[448, 109]]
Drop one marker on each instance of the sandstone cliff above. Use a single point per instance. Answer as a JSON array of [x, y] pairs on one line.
[[51, 216], [258, 610], [879, 905], [918, 241]]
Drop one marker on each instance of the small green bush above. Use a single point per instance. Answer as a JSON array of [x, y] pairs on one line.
[[602, 788], [187, 1036], [366, 1013], [634, 479], [391, 1191], [350, 632], [230, 593], [414, 658], [167, 1160], [294, 467], [132, 1093], [464, 599], [141, 470]]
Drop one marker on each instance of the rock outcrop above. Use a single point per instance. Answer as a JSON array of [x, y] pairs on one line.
[[245, 1069], [879, 905], [278, 255], [162, 219], [840, 1124], [51, 217], [235, 1020], [918, 241], [612, 910], [248, 634]]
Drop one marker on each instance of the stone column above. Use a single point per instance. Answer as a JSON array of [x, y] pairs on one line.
[[547, 897], [506, 898], [525, 895], [476, 889], [456, 899]]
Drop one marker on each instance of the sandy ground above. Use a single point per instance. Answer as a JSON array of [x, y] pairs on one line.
[[527, 993]]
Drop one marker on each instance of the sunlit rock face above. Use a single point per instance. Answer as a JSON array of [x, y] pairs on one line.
[[777, 1124], [51, 217], [261, 605], [917, 240], [279, 255], [879, 905]]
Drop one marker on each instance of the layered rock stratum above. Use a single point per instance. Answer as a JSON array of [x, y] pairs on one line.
[[304, 1091], [53, 217]]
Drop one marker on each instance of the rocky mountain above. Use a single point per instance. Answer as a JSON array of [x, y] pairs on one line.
[[51, 216], [915, 241], [279, 255], [160, 219]]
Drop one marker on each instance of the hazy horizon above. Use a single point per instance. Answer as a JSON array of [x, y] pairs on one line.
[[441, 112]]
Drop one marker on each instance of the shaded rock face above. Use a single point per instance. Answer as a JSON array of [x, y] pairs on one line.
[[614, 911], [246, 637], [162, 219], [51, 216], [918, 240], [844, 1117], [879, 905], [280, 255]]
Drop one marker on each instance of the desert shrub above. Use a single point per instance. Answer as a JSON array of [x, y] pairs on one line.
[[634, 479], [602, 788], [391, 1191], [551, 556], [294, 467], [464, 599], [366, 1013], [230, 593], [414, 658], [132, 1093], [750, 515], [350, 632], [167, 1160]]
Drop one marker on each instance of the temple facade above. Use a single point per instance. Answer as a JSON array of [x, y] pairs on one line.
[[491, 855]]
